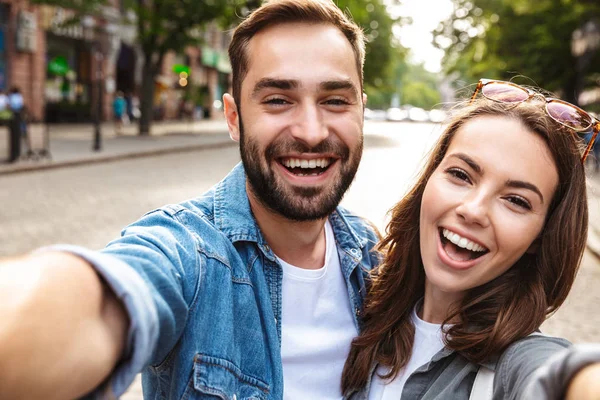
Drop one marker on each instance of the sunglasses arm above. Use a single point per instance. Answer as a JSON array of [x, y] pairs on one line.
[[590, 145], [477, 89]]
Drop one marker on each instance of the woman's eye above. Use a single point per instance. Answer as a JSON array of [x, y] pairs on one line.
[[459, 174], [519, 202]]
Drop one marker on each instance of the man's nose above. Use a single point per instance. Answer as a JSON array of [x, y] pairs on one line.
[[474, 208], [310, 127]]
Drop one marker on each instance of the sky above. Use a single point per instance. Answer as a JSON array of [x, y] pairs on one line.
[[426, 15]]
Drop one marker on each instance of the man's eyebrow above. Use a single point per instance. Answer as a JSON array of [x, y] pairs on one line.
[[525, 185], [510, 183], [338, 84], [271, 83]]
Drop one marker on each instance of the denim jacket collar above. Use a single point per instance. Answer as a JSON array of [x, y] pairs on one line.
[[233, 216]]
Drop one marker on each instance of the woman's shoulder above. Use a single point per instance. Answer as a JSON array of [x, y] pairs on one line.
[[523, 358], [537, 341], [538, 346]]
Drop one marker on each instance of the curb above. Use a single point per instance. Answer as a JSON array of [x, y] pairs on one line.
[[24, 168]]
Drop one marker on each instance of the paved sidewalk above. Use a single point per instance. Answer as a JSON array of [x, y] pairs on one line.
[[72, 144]]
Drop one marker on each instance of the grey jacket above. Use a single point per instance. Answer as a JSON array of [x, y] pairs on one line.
[[535, 367]]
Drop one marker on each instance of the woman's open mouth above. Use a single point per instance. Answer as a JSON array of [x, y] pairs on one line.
[[459, 248], [304, 167]]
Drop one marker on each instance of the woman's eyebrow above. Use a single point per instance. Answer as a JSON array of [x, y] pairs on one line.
[[470, 162], [525, 185]]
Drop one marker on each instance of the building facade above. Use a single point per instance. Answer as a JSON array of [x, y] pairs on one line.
[[63, 69]]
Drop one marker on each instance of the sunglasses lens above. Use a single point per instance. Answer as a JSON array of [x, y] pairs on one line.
[[504, 93], [569, 115]]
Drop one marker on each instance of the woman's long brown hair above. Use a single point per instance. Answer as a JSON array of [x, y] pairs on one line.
[[493, 315]]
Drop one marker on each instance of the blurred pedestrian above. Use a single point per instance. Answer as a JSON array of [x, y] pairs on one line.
[[119, 111], [17, 106], [129, 103]]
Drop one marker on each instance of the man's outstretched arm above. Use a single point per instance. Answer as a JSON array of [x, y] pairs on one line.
[[62, 331]]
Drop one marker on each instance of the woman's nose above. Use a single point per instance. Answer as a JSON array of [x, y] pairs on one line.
[[474, 209]]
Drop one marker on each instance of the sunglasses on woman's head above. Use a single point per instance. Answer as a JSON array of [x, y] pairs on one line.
[[562, 112]]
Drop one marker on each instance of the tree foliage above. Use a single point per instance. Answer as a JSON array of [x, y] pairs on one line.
[[383, 50], [533, 38]]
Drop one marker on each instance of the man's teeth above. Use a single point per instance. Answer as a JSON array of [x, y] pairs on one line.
[[462, 242], [298, 163]]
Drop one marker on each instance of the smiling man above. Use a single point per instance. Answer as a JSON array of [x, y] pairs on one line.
[[249, 291]]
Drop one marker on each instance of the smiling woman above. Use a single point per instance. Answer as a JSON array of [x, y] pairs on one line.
[[481, 251]]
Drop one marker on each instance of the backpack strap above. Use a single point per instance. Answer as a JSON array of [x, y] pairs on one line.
[[483, 387]]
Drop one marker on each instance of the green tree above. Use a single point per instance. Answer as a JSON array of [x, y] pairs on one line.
[[169, 25], [420, 87], [505, 38], [383, 49]]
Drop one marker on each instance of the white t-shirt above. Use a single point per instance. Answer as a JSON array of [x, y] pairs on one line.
[[428, 341], [317, 327]]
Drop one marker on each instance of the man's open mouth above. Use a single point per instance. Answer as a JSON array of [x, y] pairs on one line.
[[459, 248], [303, 167]]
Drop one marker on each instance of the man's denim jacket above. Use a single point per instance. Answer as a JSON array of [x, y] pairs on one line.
[[203, 292]]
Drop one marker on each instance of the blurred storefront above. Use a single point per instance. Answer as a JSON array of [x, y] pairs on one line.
[[55, 67], [52, 63], [68, 83], [192, 84]]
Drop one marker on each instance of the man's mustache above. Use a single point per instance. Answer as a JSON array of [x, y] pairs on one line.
[[286, 146]]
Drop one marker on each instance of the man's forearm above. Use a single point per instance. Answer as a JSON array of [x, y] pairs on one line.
[[61, 331]]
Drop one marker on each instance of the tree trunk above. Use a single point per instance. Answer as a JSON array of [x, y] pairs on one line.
[[147, 98]]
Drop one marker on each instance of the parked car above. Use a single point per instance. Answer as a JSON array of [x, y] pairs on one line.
[[437, 116], [375, 115], [396, 114], [417, 114]]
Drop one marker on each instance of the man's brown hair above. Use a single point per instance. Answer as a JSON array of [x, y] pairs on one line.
[[277, 12]]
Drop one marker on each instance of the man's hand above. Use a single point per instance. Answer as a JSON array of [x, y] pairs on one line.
[[585, 385], [61, 331]]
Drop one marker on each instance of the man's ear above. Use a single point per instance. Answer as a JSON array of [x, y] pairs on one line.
[[364, 100], [232, 116]]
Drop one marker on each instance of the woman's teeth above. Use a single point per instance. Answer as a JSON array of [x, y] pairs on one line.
[[462, 242]]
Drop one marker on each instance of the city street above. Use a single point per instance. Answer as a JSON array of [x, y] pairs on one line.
[[88, 205]]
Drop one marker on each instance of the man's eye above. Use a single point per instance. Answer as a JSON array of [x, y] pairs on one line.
[[276, 101], [336, 102]]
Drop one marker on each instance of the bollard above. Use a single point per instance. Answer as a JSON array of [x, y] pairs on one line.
[[15, 137]]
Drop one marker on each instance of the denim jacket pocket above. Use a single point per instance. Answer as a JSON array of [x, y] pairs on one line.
[[217, 378]]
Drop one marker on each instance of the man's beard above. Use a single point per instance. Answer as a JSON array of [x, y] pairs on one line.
[[297, 203]]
